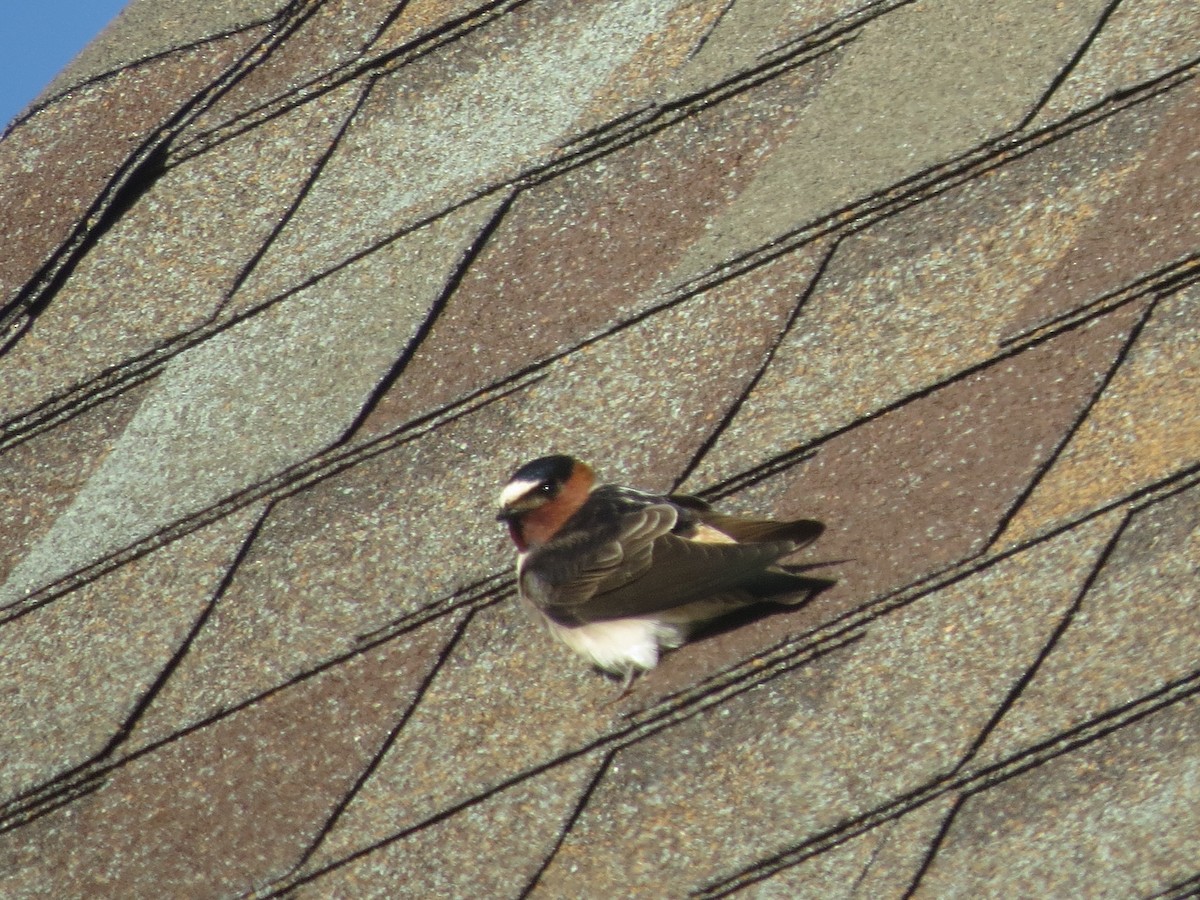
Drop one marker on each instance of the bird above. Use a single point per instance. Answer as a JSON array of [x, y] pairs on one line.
[[619, 575]]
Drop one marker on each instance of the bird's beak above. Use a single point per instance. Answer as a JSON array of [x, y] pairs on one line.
[[506, 515]]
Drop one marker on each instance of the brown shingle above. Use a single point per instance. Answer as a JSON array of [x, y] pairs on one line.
[[88, 659], [225, 809], [1088, 822], [923, 270], [57, 163]]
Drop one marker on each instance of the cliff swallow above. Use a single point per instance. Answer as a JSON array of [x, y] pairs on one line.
[[619, 574]]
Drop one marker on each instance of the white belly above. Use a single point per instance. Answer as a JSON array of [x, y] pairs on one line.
[[620, 645]]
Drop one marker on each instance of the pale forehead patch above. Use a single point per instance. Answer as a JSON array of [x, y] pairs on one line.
[[515, 490]]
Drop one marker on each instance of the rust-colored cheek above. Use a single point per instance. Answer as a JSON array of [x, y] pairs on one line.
[[539, 525], [536, 526]]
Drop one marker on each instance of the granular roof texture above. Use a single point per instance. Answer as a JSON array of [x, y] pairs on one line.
[[289, 288]]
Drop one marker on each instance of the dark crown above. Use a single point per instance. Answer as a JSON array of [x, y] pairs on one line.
[[546, 470]]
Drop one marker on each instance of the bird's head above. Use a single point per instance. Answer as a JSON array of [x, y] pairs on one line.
[[541, 496]]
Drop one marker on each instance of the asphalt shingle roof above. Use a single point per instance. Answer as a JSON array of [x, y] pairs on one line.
[[290, 288]]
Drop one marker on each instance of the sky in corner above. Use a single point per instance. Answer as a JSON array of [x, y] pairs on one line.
[[37, 40]]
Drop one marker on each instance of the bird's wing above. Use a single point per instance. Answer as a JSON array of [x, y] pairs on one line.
[[644, 569], [801, 532], [684, 571], [566, 574]]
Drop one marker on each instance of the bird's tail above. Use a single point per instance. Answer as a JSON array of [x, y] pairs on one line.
[[777, 585]]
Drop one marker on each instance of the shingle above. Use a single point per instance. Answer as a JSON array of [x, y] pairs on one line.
[[419, 18], [57, 163], [177, 251], [1142, 215], [225, 809], [881, 862], [470, 732], [925, 271], [904, 845], [745, 33], [846, 863], [1113, 819], [1142, 429]]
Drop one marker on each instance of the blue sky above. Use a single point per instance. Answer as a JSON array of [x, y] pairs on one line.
[[38, 38]]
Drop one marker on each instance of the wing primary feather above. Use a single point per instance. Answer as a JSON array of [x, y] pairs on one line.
[[684, 571], [801, 532]]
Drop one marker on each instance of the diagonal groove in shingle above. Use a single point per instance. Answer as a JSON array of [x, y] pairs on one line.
[[935, 844], [1183, 890], [1158, 284], [1140, 430], [454, 279], [286, 217], [1053, 457], [1052, 641], [580, 805], [968, 782], [1071, 64], [168, 670], [735, 407], [446, 652], [131, 179]]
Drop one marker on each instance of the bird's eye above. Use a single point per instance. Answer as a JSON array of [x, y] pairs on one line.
[[546, 488]]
